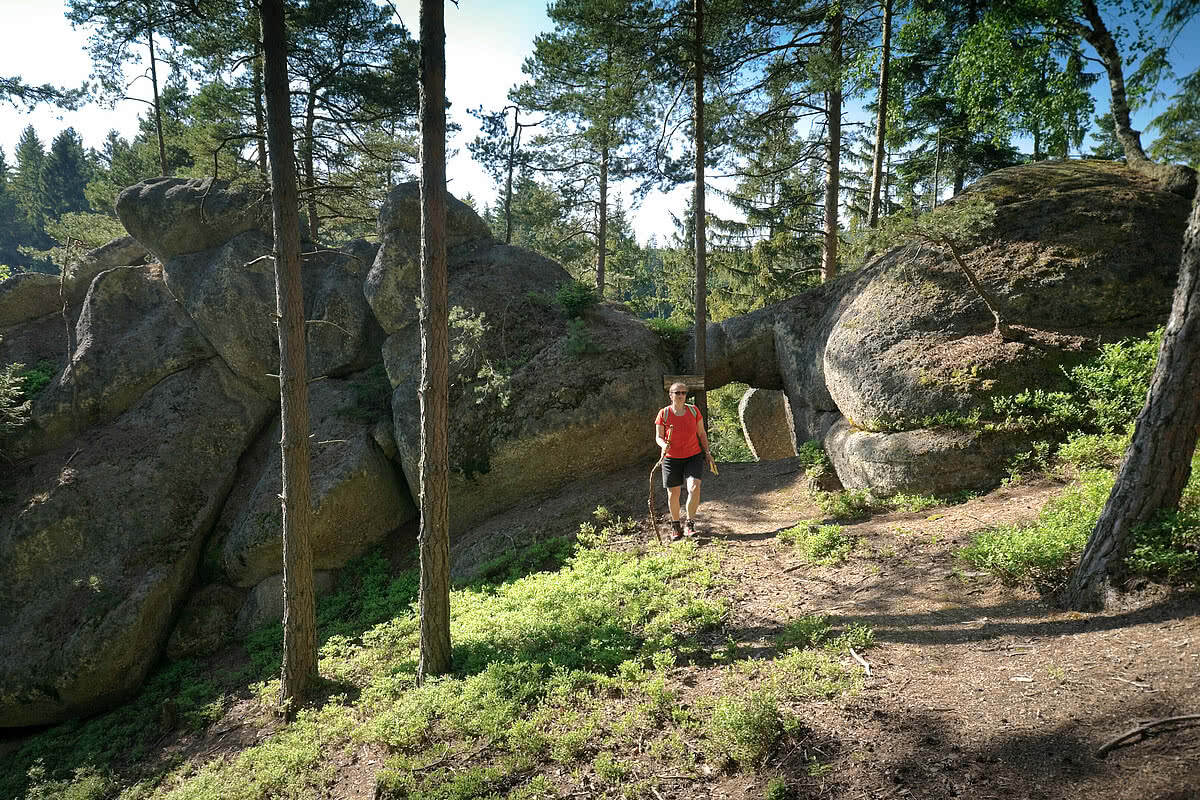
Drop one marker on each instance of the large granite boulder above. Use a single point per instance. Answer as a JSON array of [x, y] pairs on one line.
[[124, 251], [130, 335], [395, 280], [28, 295], [536, 400], [216, 262], [358, 497], [99, 542], [177, 216], [767, 424], [880, 363]]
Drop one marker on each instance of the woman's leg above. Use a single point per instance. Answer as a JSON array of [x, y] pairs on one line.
[[673, 501], [693, 500]]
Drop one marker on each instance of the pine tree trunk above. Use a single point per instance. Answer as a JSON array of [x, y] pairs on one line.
[[1098, 36], [881, 121], [158, 125], [829, 256], [701, 245], [260, 125], [310, 172], [512, 157], [299, 620], [435, 352], [1157, 464], [602, 227]]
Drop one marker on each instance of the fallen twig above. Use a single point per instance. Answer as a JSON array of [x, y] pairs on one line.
[[1141, 729], [862, 661]]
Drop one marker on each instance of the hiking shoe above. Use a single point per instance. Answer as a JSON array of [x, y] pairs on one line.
[[676, 530], [690, 529]]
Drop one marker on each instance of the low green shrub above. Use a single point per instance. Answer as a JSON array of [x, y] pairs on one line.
[[576, 297], [579, 339], [673, 332], [744, 728], [845, 504], [820, 544], [1043, 553]]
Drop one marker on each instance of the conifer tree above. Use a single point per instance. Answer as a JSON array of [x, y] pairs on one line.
[[66, 174], [590, 77]]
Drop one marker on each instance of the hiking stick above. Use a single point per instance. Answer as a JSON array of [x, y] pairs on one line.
[[650, 499]]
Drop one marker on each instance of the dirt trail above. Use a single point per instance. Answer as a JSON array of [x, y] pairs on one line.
[[976, 690]]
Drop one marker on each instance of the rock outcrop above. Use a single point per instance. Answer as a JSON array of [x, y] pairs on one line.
[[98, 555], [881, 362], [357, 496], [534, 403], [151, 463], [767, 424]]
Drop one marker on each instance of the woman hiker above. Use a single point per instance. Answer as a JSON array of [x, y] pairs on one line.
[[682, 458]]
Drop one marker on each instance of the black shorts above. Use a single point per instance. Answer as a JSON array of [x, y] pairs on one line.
[[676, 469]]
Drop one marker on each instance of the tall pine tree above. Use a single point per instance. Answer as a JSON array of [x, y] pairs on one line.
[[590, 77], [65, 175]]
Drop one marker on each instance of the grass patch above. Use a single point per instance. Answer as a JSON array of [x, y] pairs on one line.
[[754, 714], [828, 545], [1043, 553]]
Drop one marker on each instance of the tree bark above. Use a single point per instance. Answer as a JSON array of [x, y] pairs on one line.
[[260, 125], [701, 245], [512, 157], [829, 256], [1158, 461], [1096, 34], [602, 226], [435, 352], [310, 172], [881, 120], [299, 619], [158, 126]]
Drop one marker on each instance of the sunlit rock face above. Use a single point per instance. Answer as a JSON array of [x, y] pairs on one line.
[[886, 364]]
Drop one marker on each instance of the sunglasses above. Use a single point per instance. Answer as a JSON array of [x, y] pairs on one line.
[[678, 392]]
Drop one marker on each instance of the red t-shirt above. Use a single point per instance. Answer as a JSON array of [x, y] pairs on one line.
[[684, 440]]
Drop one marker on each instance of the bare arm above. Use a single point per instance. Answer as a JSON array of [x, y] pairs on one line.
[[704, 442], [660, 436]]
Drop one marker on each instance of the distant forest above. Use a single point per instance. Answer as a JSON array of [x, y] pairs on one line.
[[607, 98]]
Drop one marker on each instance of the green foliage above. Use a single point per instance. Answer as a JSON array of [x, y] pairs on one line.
[[469, 358], [1179, 125], [88, 749], [820, 544], [845, 504], [5, 272], [14, 404], [726, 439], [576, 297], [1086, 451], [85, 784], [674, 333], [1168, 546], [814, 631], [579, 339], [1114, 384], [745, 728], [777, 789], [948, 226], [1043, 553], [36, 378]]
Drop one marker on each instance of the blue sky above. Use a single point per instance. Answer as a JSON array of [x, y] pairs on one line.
[[486, 42]]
